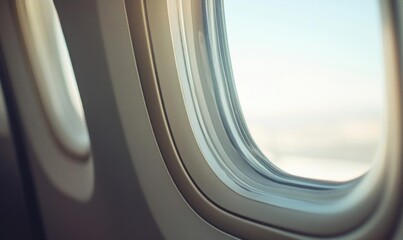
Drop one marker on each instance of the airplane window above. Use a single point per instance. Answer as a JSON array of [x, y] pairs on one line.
[[56, 128], [54, 75], [310, 82], [276, 110]]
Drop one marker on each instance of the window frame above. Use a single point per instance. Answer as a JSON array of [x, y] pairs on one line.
[[64, 155], [51, 65], [368, 206]]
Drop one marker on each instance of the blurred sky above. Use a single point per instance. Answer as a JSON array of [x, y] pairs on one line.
[[310, 79]]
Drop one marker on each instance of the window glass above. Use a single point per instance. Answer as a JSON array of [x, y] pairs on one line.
[[310, 82]]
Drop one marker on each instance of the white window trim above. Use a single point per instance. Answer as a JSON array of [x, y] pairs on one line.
[[55, 128]]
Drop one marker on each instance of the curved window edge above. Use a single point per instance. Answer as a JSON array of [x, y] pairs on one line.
[[54, 76], [73, 176], [163, 101]]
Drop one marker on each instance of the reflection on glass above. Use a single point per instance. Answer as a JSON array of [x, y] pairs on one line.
[[310, 81]]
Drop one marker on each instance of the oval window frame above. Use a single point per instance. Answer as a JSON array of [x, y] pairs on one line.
[[366, 210], [59, 139]]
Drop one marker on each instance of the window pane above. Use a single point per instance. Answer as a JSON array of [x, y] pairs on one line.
[[310, 81]]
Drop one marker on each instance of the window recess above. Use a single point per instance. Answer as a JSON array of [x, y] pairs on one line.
[[220, 158], [54, 75], [51, 105]]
